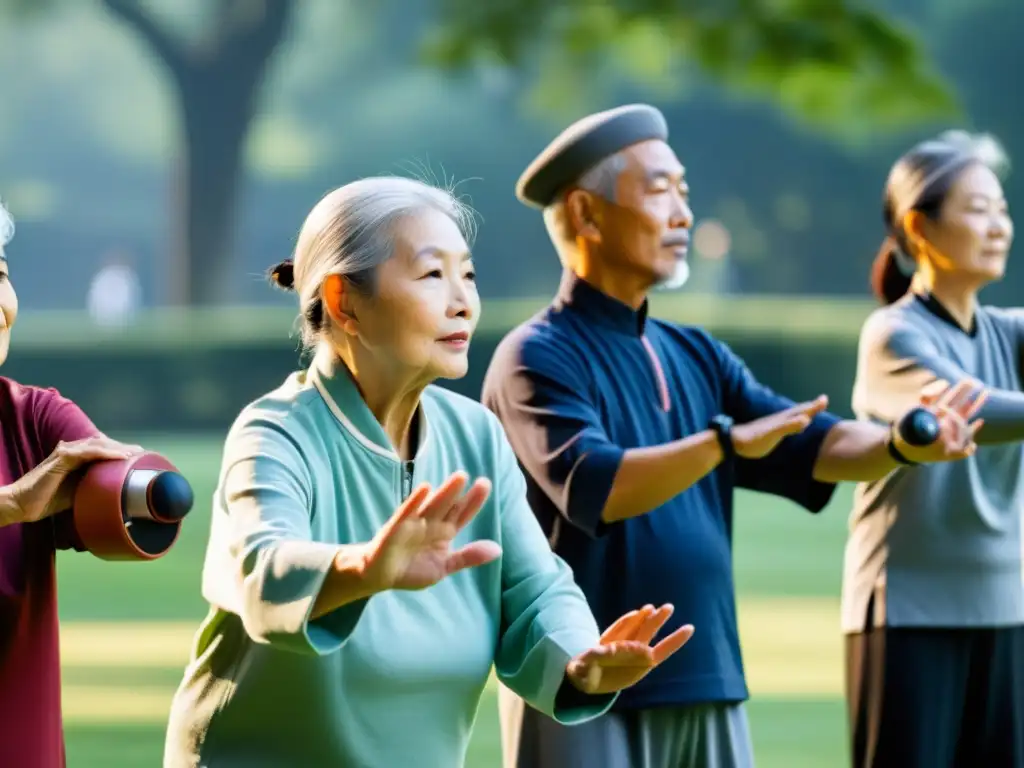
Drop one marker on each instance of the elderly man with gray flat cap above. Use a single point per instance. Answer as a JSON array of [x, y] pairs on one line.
[[633, 434]]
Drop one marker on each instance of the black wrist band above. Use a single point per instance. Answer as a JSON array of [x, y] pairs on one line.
[[898, 457], [721, 425]]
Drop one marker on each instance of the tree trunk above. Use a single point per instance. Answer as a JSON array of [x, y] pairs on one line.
[[216, 112], [218, 84]]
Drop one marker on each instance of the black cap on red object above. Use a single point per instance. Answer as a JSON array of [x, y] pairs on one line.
[[170, 497]]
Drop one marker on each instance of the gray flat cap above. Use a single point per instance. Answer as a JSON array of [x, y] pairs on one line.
[[583, 145]]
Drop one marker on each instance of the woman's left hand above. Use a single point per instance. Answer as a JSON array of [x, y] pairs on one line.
[[956, 407], [625, 656]]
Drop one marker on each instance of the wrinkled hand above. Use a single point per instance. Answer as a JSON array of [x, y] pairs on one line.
[[625, 655], [955, 406], [413, 549], [756, 439], [50, 487]]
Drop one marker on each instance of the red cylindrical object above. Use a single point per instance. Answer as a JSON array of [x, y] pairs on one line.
[[102, 521]]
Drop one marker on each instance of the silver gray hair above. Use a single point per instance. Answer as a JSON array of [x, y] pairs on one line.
[[6, 227], [351, 232], [601, 180]]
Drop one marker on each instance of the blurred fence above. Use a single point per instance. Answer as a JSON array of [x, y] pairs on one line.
[[194, 371]]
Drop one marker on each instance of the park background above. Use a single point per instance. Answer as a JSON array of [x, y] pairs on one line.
[[160, 155]]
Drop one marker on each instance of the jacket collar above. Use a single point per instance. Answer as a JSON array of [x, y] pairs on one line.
[[336, 386], [577, 295]]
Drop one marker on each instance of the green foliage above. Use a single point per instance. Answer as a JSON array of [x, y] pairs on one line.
[[830, 63]]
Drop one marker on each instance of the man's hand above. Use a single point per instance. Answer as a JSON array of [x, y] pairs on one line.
[[756, 439]]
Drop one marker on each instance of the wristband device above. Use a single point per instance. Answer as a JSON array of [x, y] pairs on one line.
[[918, 427], [721, 425]]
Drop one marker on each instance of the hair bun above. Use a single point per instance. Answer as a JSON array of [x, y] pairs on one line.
[[283, 275]]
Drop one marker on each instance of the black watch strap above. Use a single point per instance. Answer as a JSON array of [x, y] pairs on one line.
[[898, 457], [721, 425]]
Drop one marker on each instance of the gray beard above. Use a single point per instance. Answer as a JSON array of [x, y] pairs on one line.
[[678, 279]]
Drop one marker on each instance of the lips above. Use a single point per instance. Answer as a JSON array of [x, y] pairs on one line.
[[456, 337]]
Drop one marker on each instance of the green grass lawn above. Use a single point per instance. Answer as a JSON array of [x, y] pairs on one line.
[[116, 691]]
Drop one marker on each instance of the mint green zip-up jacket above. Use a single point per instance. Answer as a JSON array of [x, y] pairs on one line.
[[392, 681]]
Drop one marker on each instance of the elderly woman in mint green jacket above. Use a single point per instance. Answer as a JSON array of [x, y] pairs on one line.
[[372, 553]]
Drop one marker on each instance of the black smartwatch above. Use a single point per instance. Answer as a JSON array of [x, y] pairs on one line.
[[721, 425]]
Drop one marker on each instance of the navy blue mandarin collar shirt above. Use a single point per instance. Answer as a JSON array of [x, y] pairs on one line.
[[590, 378]]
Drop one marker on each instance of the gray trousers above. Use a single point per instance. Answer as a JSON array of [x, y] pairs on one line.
[[704, 736]]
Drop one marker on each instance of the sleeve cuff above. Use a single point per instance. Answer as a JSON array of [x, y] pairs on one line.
[[298, 570], [589, 486], [573, 706], [818, 494]]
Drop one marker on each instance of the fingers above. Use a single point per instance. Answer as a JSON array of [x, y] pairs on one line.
[[74, 454], [407, 510], [638, 628], [626, 625], [672, 643], [811, 408], [472, 555], [797, 417], [465, 509], [440, 503], [793, 426], [974, 404], [652, 625], [933, 392], [622, 653], [956, 396]]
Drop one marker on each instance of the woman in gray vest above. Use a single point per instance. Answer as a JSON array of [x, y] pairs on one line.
[[933, 592]]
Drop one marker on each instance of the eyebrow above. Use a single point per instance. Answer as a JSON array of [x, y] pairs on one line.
[[432, 250], [664, 173], [980, 197]]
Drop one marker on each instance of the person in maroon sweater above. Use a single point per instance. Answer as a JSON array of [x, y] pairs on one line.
[[44, 438]]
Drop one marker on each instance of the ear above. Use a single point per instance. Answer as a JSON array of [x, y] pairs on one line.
[[584, 212], [913, 222], [337, 298]]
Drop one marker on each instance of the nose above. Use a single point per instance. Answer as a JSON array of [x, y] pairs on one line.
[[1002, 228], [459, 304], [682, 215]]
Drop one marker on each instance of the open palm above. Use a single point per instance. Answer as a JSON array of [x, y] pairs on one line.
[[414, 548], [625, 655], [956, 407], [756, 439]]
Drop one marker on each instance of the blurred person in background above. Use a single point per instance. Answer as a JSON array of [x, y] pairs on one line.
[[115, 293], [45, 439], [933, 587], [634, 433], [372, 553]]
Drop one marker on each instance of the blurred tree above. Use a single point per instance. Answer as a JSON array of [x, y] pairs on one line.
[[828, 62], [217, 78], [836, 64]]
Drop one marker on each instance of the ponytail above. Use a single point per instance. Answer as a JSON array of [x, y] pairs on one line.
[[889, 281]]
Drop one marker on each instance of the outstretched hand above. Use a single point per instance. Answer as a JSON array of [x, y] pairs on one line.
[[956, 407], [624, 655], [756, 439], [413, 549]]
